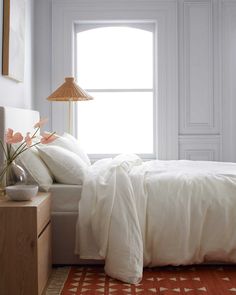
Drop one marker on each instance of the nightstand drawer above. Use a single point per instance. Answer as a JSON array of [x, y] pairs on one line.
[[44, 258], [43, 215]]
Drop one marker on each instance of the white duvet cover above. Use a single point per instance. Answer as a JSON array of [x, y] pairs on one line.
[[156, 213]]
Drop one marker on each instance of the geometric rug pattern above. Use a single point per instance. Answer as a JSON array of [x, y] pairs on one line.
[[187, 280]]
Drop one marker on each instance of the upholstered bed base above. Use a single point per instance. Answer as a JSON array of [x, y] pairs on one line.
[[63, 239]]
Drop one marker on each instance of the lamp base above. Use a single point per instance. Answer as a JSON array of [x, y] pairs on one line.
[[70, 117]]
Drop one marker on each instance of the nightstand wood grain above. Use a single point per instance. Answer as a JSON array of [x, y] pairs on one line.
[[25, 245]]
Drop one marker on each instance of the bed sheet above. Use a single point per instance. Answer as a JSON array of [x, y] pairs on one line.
[[65, 198]]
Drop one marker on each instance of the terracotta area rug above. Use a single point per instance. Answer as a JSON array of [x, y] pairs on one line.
[[205, 280]]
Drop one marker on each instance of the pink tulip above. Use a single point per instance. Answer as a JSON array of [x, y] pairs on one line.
[[13, 138], [28, 139], [48, 138], [9, 134], [40, 123]]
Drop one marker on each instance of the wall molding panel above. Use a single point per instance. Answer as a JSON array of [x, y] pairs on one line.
[[199, 147], [199, 102], [207, 85]]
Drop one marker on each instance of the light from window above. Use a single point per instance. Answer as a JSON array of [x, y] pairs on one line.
[[115, 65]]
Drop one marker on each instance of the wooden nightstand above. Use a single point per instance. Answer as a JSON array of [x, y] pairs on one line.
[[25, 245]]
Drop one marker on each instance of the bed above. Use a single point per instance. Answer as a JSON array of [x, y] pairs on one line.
[[133, 213], [157, 213]]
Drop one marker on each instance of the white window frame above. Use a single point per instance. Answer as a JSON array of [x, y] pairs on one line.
[[143, 25], [66, 13]]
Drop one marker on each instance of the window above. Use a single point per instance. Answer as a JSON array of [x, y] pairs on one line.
[[115, 64]]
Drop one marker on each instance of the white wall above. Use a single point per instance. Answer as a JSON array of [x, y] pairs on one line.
[[206, 35], [19, 94], [229, 80], [43, 57]]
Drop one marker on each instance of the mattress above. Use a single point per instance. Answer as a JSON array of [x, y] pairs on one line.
[[65, 197]]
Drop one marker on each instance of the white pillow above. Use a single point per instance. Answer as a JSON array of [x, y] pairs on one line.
[[37, 170], [66, 166], [70, 143]]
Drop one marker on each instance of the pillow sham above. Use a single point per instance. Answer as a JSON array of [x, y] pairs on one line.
[[65, 166], [71, 144], [37, 171]]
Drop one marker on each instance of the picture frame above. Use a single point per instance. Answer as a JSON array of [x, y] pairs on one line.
[[13, 39]]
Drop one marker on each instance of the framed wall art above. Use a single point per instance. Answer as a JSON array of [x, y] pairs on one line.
[[13, 39]]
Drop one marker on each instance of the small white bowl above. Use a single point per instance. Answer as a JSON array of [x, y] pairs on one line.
[[21, 192]]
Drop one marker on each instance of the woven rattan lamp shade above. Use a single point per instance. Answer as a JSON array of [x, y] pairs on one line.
[[69, 91]]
